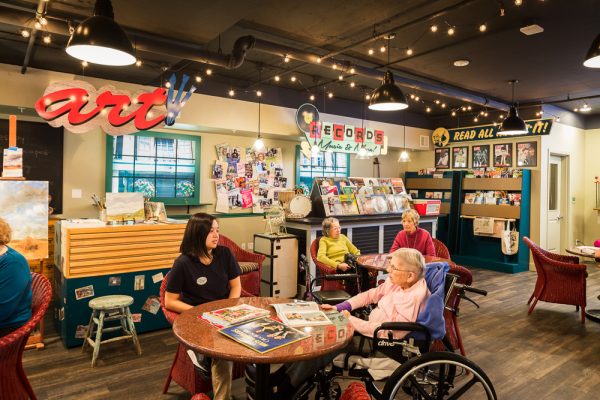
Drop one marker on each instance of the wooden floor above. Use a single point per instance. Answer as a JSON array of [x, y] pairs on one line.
[[548, 355]]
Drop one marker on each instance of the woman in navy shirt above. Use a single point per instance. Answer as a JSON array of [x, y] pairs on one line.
[[204, 272]]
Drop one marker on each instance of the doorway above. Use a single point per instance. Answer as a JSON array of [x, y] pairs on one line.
[[558, 193]]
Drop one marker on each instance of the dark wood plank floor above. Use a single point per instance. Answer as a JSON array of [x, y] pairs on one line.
[[548, 355]]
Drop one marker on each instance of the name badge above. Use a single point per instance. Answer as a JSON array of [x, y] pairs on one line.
[[201, 281]]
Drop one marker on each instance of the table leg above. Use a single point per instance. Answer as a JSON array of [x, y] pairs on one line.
[[263, 389]]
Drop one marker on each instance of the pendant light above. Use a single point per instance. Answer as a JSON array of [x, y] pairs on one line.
[[404, 156], [100, 40], [259, 145], [388, 96], [592, 58], [512, 124], [362, 153]]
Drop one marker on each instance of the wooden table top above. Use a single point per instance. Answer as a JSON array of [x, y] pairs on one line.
[[205, 338], [380, 262], [582, 252]]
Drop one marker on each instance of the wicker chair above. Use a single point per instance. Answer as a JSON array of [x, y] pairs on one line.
[[440, 249], [250, 263], [324, 269], [355, 391], [560, 279], [13, 381]]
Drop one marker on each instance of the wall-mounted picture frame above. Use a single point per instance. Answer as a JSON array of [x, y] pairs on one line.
[[503, 155], [460, 157], [481, 156], [527, 154], [442, 158]]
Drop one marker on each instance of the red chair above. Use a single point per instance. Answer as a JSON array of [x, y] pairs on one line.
[[560, 279], [440, 249], [324, 269], [200, 396], [355, 391], [250, 263], [13, 381]]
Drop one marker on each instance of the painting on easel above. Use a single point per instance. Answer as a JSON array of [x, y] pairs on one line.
[[24, 205]]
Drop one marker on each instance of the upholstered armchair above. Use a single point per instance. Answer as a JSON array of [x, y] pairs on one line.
[[324, 269], [14, 384], [560, 279], [250, 263], [440, 249]]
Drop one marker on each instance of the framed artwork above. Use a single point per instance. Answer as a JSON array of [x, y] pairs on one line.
[[460, 157], [442, 158], [503, 154], [481, 156], [527, 154]]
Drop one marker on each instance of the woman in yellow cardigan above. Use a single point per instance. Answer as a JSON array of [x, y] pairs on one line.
[[333, 246]]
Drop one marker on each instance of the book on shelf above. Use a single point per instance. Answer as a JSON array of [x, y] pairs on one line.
[[402, 202], [332, 205], [365, 204], [382, 190], [397, 185], [365, 190], [447, 195], [437, 195], [380, 205], [264, 334], [470, 198], [514, 199], [349, 206], [234, 315], [371, 181], [301, 313], [358, 182], [414, 194], [350, 190], [391, 203]]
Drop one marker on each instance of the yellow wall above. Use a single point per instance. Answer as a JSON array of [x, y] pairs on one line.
[[592, 169]]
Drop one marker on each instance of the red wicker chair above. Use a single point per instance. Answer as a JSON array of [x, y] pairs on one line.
[[13, 381], [560, 279], [200, 396], [324, 269], [355, 391], [440, 249], [250, 279]]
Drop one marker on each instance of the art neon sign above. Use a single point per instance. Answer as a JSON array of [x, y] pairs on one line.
[[79, 107]]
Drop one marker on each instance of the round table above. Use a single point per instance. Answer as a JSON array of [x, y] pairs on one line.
[[205, 338]]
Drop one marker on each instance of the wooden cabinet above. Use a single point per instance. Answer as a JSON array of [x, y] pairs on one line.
[[280, 268]]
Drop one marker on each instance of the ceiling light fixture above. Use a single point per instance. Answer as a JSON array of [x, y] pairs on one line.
[[99, 39], [592, 58], [512, 124], [461, 63], [404, 156], [388, 96], [586, 108]]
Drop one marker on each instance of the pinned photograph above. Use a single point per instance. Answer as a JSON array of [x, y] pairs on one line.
[[442, 158], [156, 278], [138, 282], [84, 292], [80, 331], [136, 317], [114, 281], [152, 305]]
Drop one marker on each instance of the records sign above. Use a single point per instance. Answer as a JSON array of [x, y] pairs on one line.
[[442, 137], [342, 138]]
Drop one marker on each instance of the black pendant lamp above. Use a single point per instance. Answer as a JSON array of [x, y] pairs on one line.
[[592, 59], [388, 96], [100, 40], [513, 124]]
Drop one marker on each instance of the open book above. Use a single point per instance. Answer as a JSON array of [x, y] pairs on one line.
[[235, 315], [263, 335], [304, 313]]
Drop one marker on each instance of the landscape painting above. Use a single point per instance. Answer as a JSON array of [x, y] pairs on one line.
[[24, 206], [121, 207]]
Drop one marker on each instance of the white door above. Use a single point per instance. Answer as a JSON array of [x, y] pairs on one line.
[[555, 204]]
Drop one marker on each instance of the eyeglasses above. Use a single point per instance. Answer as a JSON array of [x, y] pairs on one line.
[[399, 270]]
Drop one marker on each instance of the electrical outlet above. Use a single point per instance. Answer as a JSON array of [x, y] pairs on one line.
[[250, 246], [244, 246]]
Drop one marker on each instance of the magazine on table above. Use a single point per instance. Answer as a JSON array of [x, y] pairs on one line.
[[306, 313], [589, 250], [264, 334], [235, 315]]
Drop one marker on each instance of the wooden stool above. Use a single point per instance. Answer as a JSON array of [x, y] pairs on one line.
[[110, 308]]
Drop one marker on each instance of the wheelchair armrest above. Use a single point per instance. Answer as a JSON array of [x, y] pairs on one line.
[[402, 326], [340, 277]]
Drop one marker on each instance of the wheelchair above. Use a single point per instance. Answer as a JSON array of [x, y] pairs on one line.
[[421, 374]]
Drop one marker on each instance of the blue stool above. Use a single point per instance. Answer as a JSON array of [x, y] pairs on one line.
[[110, 308]]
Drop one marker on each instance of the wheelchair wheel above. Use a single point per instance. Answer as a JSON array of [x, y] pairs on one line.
[[439, 375]]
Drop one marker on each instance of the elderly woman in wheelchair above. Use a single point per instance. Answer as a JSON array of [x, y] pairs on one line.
[[393, 344]]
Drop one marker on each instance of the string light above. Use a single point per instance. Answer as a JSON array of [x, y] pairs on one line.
[[25, 33], [409, 52], [334, 66], [277, 78], [469, 108], [518, 2], [434, 28], [371, 51], [352, 84], [443, 105], [412, 96], [475, 119], [330, 95], [454, 113], [37, 25], [417, 98], [367, 96], [482, 28], [84, 64], [208, 71], [382, 49], [437, 101], [47, 39], [451, 31], [428, 109], [231, 93], [138, 63], [167, 84], [352, 70], [463, 108], [43, 21], [198, 78], [286, 59], [258, 93], [312, 97], [293, 78], [319, 60], [341, 77]]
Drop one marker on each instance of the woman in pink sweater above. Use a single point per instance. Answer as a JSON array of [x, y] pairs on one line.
[[412, 236]]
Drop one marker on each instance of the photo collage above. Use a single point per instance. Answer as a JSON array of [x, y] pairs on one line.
[[353, 196], [247, 179]]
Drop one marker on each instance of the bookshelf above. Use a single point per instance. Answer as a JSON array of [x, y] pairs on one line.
[[483, 251]]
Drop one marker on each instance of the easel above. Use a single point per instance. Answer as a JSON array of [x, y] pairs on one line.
[[36, 339]]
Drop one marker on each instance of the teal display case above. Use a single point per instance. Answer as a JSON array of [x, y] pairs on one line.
[[70, 314]]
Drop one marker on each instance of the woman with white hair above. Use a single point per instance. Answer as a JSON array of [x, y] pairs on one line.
[[413, 237], [333, 246]]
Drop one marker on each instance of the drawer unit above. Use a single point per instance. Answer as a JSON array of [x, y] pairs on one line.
[[279, 276]]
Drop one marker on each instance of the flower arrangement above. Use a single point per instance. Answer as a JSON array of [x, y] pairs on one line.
[[184, 189], [144, 186]]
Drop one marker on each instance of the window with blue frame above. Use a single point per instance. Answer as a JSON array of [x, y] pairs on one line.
[[323, 164], [164, 167]]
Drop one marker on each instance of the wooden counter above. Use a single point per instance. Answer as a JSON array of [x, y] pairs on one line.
[[103, 250]]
